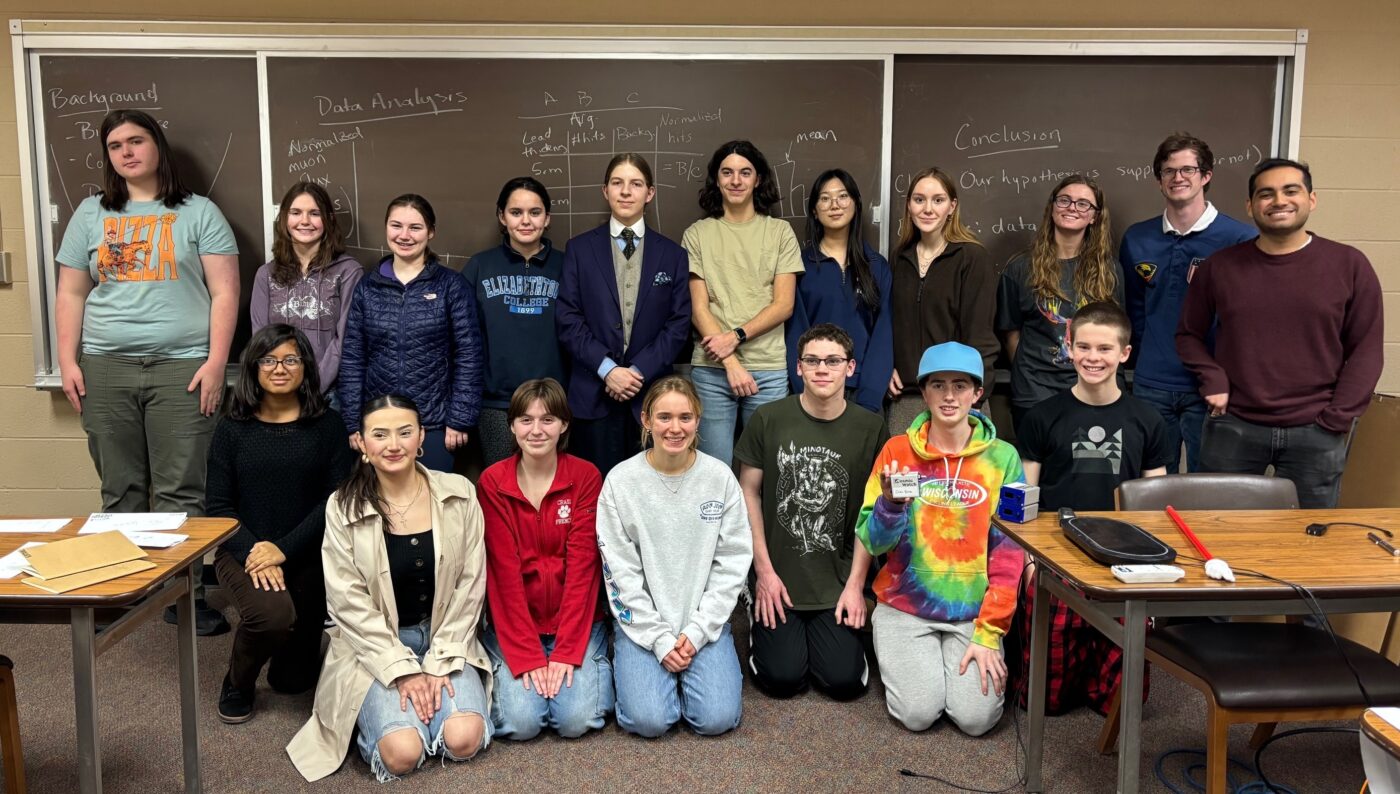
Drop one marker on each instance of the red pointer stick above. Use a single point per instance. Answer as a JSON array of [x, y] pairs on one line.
[[1185, 530]]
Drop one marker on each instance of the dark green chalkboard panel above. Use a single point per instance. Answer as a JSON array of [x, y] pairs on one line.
[[455, 129], [1008, 128]]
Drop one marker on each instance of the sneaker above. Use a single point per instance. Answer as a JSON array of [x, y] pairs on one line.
[[208, 621], [235, 705]]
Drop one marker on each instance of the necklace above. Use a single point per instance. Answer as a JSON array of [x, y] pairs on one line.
[[402, 513], [667, 478], [926, 260]]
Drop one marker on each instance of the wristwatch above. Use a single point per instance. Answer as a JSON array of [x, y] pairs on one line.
[[739, 332]]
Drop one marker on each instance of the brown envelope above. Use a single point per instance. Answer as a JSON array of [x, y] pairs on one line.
[[62, 584], [83, 553]]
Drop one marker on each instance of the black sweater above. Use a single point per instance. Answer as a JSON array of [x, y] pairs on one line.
[[275, 479]]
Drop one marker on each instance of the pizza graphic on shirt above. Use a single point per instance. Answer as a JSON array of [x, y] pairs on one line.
[[137, 248]]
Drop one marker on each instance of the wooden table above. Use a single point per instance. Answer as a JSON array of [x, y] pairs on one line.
[[170, 582], [1343, 570]]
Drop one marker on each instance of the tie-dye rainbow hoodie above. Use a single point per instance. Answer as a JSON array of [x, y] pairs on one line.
[[946, 560]]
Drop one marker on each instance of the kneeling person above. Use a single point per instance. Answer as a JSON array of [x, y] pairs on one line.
[[803, 459], [948, 588]]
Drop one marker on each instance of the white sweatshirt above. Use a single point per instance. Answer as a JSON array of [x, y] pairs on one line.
[[674, 562]]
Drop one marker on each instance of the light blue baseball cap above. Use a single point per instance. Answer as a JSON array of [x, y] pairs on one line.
[[951, 357]]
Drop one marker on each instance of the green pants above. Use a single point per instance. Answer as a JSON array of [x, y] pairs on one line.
[[147, 438]]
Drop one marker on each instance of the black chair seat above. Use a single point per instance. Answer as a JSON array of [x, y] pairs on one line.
[[1275, 665]]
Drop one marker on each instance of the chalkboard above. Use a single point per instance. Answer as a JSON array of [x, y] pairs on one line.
[[208, 107], [455, 129], [1007, 129]]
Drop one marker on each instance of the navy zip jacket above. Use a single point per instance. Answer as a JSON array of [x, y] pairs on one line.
[[826, 294], [515, 309], [419, 340]]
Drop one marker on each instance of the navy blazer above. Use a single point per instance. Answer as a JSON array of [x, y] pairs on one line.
[[588, 315]]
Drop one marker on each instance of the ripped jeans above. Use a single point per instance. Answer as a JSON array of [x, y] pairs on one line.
[[380, 715]]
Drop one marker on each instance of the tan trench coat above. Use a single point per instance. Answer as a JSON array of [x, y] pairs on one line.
[[365, 641]]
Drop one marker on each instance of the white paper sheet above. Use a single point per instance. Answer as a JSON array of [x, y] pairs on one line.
[[1390, 714], [132, 522], [32, 524], [156, 540], [12, 564]]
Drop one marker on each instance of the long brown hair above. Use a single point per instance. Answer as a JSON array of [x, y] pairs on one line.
[[170, 189], [954, 230], [668, 384], [1097, 274], [286, 267], [361, 489]]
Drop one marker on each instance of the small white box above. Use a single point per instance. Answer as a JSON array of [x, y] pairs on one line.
[[904, 486]]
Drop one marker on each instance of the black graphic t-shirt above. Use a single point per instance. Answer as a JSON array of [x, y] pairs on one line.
[[1085, 451], [814, 474]]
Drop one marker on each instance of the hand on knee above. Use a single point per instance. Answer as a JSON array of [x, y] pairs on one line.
[[400, 751], [463, 734]]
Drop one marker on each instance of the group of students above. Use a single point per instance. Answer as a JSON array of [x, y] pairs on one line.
[[465, 612]]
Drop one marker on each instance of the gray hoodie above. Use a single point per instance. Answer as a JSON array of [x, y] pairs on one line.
[[674, 562], [318, 304]]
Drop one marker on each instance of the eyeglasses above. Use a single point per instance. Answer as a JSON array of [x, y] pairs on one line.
[[289, 363], [1187, 171], [840, 200], [1082, 205], [831, 362]]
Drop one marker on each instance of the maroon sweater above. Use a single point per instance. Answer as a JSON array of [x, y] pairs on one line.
[[1298, 338]]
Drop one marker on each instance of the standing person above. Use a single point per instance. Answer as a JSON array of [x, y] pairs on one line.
[[1070, 263], [1289, 403], [412, 330], [947, 590], [275, 458], [309, 280], [623, 316], [743, 278], [1159, 257], [803, 460], [846, 283], [405, 583], [516, 285], [676, 549], [548, 642], [149, 283], [944, 289]]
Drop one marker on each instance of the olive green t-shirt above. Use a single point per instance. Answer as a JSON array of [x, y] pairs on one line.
[[738, 262]]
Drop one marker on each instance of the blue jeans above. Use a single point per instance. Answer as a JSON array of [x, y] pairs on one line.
[[380, 715], [518, 713], [650, 698], [1185, 415], [1309, 455], [721, 406]]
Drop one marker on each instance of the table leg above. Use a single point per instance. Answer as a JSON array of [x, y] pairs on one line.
[[1134, 668], [1035, 705], [85, 699], [189, 684]]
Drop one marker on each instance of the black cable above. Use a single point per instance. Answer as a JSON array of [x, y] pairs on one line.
[[1306, 596]]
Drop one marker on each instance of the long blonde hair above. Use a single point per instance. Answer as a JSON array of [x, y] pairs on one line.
[[671, 383], [1097, 274], [954, 230]]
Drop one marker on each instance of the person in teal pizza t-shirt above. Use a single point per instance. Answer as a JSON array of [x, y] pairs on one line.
[[147, 304]]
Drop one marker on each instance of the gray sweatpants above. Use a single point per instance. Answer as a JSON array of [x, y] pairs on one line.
[[919, 666]]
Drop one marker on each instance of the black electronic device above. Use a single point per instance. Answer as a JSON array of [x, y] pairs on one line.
[[1110, 541]]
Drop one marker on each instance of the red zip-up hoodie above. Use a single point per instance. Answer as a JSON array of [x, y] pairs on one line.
[[543, 571]]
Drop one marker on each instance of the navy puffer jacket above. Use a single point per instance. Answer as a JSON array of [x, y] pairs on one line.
[[417, 339]]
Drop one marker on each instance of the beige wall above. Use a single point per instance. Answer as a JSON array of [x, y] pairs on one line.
[[1351, 136]]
